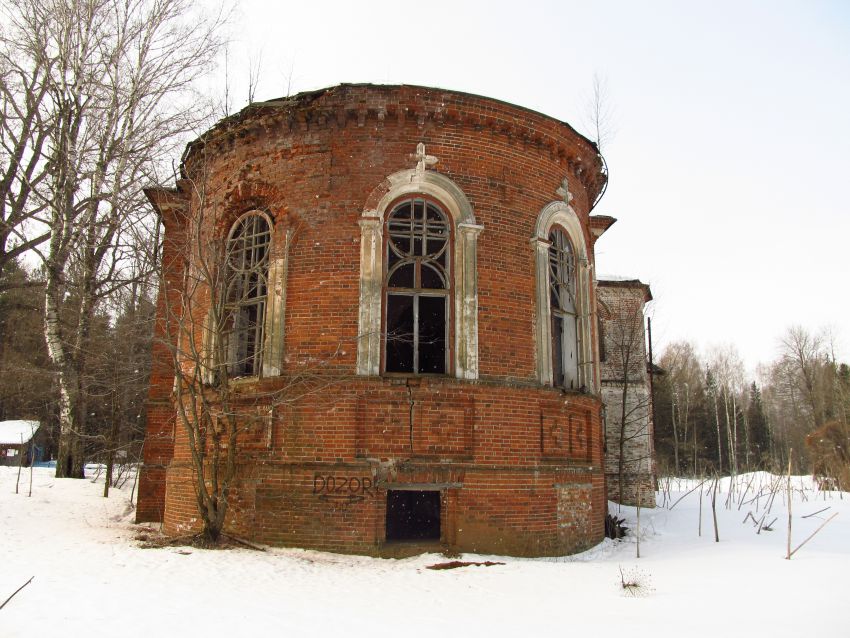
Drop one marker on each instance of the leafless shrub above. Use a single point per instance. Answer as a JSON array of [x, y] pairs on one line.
[[635, 582]]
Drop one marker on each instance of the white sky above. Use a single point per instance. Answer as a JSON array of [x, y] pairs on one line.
[[732, 131]]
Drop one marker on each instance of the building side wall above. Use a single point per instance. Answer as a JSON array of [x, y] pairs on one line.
[[629, 450], [519, 467], [638, 476], [508, 462], [158, 448]]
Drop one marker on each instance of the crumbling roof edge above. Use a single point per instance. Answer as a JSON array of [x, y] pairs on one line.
[[611, 281], [306, 97]]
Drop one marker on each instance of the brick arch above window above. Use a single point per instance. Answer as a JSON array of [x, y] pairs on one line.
[[433, 185], [562, 216], [414, 182]]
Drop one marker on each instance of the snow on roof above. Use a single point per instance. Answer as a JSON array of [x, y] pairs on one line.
[[615, 278], [12, 431]]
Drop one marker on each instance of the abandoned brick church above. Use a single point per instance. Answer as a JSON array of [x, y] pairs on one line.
[[428, 256]]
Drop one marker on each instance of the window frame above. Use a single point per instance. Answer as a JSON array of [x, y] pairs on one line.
[[464, 302], [447, 293], [570, 373], [261, 338], [562, 215]]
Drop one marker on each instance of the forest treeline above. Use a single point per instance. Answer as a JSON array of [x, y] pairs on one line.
[[710, 417], [114, 379]]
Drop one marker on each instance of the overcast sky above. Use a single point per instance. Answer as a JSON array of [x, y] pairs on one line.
[[731, 150]]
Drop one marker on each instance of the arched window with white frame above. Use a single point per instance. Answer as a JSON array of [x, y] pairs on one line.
[[418, 278], [563, 315], [247, 254]]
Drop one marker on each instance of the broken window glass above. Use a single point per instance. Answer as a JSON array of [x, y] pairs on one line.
[[247, 262], [562, 292], [399, 336], [417, 289]]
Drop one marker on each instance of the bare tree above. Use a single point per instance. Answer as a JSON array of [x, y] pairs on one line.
[[254, 71], [24, 132], [805, 390], [627, 398], [684, 376], [112, 102], [212, 331], [599, 114], [805, 355], [728, 370]]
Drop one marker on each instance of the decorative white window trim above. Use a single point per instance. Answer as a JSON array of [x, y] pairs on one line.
[[560, 213], [272, 354], [275, 328], [413, 182]]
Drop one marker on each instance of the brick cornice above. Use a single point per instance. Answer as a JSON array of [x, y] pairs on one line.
[[343, 106]]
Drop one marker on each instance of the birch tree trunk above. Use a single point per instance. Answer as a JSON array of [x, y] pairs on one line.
[[69, 461]]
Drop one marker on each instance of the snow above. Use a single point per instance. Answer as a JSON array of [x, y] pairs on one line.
[[92, 576], [602, 277], [12, 431]]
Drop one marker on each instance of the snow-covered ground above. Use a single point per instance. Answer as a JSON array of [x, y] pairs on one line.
[[92, 578]]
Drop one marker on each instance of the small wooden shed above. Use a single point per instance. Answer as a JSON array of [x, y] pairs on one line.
[[16, 438]]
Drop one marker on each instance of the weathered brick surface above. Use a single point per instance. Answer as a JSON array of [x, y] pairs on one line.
[[624, 366], [159, 437], [519, 467]]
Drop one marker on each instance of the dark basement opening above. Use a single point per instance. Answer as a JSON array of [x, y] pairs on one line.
[[413, 515]]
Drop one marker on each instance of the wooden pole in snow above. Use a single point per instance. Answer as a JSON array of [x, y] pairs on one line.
[[822, 525], [788, 552], [32, 458], [714, 508], [20, 463], [699, 533], [637, 535]]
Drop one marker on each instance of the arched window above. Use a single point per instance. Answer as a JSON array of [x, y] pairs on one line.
[[422, 278], [563, 310], [246, 292], [563, 297], [418, 288]]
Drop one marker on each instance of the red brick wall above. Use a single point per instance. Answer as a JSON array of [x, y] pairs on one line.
[[520, 466], [159, 437]]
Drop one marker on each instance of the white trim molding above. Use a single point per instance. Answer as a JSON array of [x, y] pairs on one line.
[[560, 213], [465, 233]]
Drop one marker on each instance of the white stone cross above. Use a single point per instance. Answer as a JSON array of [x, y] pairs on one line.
[[564, 192], [423, 161]]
